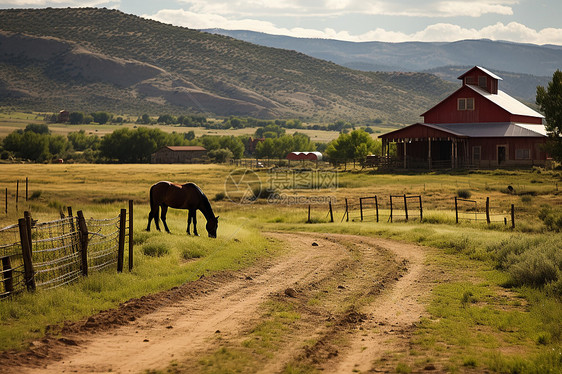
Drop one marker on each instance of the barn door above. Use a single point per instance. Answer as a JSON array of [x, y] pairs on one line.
[[501, 154]]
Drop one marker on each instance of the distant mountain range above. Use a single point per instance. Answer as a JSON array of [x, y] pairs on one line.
[[522, 66], [87, 59]]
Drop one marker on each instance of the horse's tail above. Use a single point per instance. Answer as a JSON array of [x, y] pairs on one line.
[[152, 206]]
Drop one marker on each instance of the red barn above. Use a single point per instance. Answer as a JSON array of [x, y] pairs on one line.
[[478, 125]]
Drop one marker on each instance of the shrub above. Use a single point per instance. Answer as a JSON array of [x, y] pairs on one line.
[[534, 268], [464, 194], [552, 219], [220, 196], [155, 250], [35, 195], [190, 253]]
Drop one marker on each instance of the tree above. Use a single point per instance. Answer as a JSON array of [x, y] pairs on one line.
[[220, 155], [38, 128], [101, 117], [353, 146], [76, 118], [550, 103]]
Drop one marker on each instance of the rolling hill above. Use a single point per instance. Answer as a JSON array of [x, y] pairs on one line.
[[99, 59], [417, 56], [522, 66]]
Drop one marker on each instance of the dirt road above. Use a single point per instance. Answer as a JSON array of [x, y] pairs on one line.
[[358, 299]]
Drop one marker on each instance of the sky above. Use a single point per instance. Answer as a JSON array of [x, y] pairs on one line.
[[524, 21]]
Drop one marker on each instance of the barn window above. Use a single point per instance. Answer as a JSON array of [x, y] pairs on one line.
[[461, 104], [470, 103], [482, 81], [522, 154], [469, 80]]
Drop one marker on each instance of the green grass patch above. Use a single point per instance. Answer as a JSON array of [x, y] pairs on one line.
[[25, 317]]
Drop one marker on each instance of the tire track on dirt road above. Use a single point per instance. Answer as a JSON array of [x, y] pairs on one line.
[[185, 330], [155, 340]]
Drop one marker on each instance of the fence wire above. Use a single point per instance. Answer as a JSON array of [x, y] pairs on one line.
[[103, 242], [12, 261], [367, 209], [57, 252]]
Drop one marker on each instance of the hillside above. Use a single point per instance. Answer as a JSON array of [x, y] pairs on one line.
[[88, 59]]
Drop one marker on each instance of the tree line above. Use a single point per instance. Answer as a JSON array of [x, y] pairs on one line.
[[36, 143]]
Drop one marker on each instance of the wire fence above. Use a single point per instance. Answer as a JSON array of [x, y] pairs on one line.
[[56, 253], [396, 208]]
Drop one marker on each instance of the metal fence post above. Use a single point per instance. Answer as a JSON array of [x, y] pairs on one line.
[[456, 211], [131, 232], [488, 210], [377, 207], [406, 206], [121, 247], [421, 209], [361, 207], [512, 216]]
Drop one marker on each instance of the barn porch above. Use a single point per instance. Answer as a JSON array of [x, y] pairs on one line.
[[423, 146]]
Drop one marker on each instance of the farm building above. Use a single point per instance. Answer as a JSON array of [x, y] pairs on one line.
[[189, 154], [476, 126], [309, 156]]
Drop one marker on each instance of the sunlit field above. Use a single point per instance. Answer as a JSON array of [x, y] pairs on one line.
[[479, 255]]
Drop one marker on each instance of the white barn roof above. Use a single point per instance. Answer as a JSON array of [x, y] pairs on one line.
[[506, 102]]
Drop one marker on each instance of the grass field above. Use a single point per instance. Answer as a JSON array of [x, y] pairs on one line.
[[471, 321], [12, 121]]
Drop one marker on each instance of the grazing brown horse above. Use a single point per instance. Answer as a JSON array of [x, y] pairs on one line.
[[187, 196]]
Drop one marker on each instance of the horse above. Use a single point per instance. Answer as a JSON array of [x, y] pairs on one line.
[[187, 196]]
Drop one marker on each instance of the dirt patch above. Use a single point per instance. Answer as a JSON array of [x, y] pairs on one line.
[[359, 299]]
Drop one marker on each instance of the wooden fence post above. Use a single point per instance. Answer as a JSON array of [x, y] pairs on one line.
[[29, 277], [377, 207], [512, 216], [308, 221], [131, 232], [406, 206], [361, 207], [7, 275], [6, 200], [17, 193], [456, 211], [83, 235], [488, 210], [26, 188], [421, 209], [331, 212], [121, 247], [390, 208], [27, 217], [346, 214]]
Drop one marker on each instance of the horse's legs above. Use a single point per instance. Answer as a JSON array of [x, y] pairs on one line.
[[153, 214], [163, 216], [194, 217], [188, 221]]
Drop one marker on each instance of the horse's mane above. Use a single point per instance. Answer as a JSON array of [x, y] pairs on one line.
[[205, 201]]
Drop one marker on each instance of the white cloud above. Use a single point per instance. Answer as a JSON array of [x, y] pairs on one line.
[[308, 8], [512, 31], [56, 3]]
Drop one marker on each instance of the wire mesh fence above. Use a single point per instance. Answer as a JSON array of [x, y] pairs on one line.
[[55, 253], [12, 261]]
